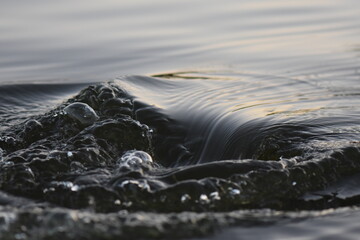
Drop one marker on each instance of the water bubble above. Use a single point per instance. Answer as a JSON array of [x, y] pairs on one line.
[[82, 113], [51, 189], [63, 184], [75, 188], [233, 191], [134, 161], [124, 183], [204, 199], [294, 183], [135, 184], [117, 202], [214, 196], [185, 198], [8, 140], [127, 204], [7, 163], [135, 158], [69, 154], [33, 124]]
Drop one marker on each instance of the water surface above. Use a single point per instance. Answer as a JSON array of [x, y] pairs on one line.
[[90, 41]]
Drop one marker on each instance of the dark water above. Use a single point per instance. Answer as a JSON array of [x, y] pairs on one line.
[[244, 106]]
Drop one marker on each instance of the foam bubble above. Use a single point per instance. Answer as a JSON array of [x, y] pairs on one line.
[[82, 113], [135, 158]]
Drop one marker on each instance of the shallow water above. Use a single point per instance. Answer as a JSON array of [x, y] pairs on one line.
[[275, 82]]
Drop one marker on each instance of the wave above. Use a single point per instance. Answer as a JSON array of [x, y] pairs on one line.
[[159, 145]]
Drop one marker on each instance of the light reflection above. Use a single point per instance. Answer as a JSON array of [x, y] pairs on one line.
[[288, 113], [95, 41]]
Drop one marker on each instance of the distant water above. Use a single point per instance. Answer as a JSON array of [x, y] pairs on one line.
[[235, 80], [95, 41]]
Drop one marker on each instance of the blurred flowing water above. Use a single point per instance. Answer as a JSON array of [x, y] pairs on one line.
[[261, 80]]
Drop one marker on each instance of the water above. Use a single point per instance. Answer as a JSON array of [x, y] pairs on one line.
[[90, 41], [215, 84]]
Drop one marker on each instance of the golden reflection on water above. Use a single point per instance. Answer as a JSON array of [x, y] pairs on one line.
[[289, 113], [279, 108]]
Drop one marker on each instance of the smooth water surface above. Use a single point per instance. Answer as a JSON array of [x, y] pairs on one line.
[[97, 41]]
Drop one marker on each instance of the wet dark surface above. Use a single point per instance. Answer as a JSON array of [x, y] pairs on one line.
[[107, 150]]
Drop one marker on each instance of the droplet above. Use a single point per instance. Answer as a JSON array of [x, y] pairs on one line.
[[294, 183], [117, 202], [70, 154], [82, 113]]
